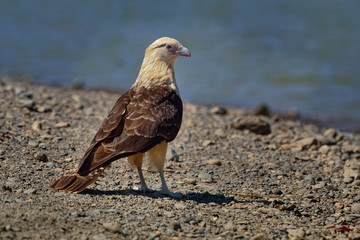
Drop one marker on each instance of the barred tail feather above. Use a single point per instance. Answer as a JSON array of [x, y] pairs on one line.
[[74, 182]]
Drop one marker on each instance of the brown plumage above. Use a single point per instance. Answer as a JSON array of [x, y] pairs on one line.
[[142, 121]]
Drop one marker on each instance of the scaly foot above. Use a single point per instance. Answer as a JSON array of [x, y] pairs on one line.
[[142, 189], [171, 194]]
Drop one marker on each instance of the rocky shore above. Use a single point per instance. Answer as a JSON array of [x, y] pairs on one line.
[[241, 174]]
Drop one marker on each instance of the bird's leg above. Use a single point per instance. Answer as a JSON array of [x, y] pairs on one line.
[[136, 160], [143, 188], [157, 157], [164, 187]]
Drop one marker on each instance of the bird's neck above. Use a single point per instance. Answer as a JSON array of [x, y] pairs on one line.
[[156, 72]]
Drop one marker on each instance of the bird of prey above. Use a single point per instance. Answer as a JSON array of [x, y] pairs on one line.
[[142, 121]]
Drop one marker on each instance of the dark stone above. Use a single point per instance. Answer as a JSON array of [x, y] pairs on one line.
[[41, 157], [175, 226], [262, 110], [253, 124]]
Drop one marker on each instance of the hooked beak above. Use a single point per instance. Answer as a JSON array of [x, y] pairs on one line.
[[184, 52]]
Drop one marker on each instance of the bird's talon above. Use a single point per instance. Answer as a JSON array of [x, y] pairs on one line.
[[171, 194], [141, 189]]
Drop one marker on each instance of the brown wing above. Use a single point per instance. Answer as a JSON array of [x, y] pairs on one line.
[[139, 120], [77, 182]]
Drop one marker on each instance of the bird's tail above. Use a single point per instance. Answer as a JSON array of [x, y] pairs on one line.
[[74, 182]]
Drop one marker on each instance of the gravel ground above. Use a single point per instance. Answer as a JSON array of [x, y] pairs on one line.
[[240, 175]]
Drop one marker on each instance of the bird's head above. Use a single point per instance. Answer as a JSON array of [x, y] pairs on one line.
[[158, 63], [167, 49]]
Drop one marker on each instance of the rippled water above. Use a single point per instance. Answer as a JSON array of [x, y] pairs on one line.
[[301, 55]]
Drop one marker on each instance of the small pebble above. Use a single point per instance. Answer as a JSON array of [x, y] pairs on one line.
[[43, 145], [354, 235], [262, 110], [169, 214], [29, 104], [33, 144], [229, 226], [171, 155], [36, 126], [81, 102], [175, 226], [339, 205], [207, 143], [355, 207], [180, 205], [50, 164], [324, 149], [62, 124], [42, 109], [30, 191], [205, 177], [190, 180], [113, 227], [214, 162], [319, 185], [260, 236], [42, 157], [310, 179], [220, 133], [100, 236], [218, 110], [298, 233], [356, 183], [276, 191]]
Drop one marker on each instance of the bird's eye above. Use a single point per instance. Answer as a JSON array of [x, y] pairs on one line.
[[168, 46]]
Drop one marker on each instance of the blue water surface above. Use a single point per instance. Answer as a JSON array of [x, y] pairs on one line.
[[300, 55]]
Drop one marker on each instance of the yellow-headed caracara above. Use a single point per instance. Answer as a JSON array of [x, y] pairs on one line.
[[142, 121]]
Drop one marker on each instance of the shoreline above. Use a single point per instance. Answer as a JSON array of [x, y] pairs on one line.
[[240, 175], [350, 125]]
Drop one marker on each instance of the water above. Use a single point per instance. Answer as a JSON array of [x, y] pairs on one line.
[[301, 55]]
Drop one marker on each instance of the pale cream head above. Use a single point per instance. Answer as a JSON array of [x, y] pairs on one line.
[[158, 64], [167, 49]]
